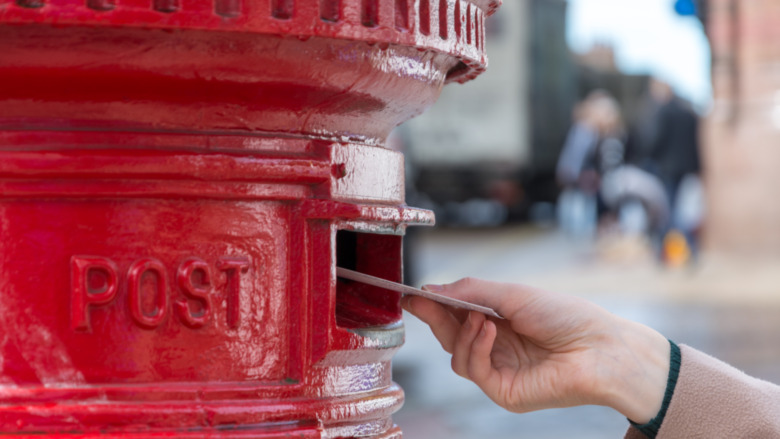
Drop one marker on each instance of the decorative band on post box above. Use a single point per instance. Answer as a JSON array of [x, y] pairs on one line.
[[178, 182]]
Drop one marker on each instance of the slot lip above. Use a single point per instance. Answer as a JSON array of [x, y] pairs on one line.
[[387, 336], [368, 218]]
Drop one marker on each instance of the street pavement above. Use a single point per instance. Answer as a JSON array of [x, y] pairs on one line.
[[727, 306]]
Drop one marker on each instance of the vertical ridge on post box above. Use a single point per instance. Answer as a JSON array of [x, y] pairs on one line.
[[476, 28], [402, 14], [424, 15], [443, 21], [457, 20], [282, 9], [481, 29], [369, 12], [330, 10], [469, 20], [227, 8]]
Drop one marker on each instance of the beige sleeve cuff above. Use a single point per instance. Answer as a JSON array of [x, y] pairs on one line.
[[715, 400]]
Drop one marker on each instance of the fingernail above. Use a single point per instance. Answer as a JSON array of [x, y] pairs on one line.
[[406, 303], [468, 323], [483, 331], [433, 288]]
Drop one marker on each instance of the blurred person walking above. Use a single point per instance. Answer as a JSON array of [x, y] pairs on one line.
[[594, 146], [674, 155]]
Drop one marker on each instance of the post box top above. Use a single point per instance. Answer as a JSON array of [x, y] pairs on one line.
[[453, 27]]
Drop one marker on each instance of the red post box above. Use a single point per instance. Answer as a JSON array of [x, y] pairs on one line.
[[179, 180]]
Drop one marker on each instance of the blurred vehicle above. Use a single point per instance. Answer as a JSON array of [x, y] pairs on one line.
[[474, 152], [486, 154]]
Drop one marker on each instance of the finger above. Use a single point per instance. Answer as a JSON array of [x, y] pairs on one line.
[[459, 313], [466, 336], [480, 365], [444, 325]]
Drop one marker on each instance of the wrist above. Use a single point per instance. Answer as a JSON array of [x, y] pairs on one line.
[[640, 372]]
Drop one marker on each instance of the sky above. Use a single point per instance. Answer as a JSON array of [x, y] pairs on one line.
[[648, 37]]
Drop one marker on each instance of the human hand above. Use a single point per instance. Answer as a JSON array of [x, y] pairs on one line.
[[551, 350]]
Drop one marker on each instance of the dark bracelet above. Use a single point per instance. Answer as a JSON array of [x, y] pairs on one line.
[[651, 428]]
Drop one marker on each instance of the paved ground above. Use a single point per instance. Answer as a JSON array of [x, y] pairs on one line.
[[726, 306]]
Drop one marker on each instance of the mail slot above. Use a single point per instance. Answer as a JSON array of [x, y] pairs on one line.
[[178, 183], [359, 305]]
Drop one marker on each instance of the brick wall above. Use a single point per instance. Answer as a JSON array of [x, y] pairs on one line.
[[741, 146]]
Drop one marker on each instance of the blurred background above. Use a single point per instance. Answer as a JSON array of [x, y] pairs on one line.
[[619, 150]]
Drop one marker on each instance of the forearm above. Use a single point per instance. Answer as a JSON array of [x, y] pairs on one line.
[[636, 371]]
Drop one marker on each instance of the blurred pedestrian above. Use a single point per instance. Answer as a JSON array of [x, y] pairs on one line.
[[594, 146], [675, 159]]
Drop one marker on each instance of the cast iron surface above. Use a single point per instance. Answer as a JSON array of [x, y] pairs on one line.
[[173, 175]]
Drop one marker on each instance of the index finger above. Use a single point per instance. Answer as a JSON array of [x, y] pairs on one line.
[[506, 299]]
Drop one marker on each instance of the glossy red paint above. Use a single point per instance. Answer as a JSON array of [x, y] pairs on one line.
[[179, 179]]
